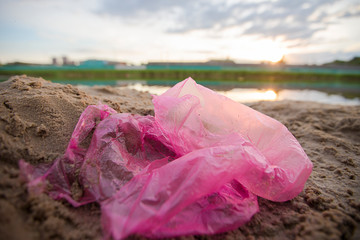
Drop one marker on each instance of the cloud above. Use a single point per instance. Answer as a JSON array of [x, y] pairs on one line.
[[289, 19], [142, 30]]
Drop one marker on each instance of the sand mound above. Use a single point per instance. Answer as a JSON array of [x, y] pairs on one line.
[[37, 118]]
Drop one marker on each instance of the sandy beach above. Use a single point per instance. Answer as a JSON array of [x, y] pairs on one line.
[[37, 118]]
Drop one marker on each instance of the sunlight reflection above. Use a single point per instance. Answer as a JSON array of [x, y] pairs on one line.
[[250, 95], [270, 95]]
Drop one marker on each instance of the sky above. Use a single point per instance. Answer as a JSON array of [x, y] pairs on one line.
[[139, 31]]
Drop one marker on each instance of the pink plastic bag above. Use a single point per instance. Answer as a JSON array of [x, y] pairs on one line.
[[194, 168]]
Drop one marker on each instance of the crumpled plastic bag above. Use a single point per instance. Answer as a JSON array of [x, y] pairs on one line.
[[197, 167]]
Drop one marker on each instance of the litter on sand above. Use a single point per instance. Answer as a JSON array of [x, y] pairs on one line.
[[196, 167]]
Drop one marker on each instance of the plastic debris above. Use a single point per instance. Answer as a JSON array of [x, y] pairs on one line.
[[197, 167]]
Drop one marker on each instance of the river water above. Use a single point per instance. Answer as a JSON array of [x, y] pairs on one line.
[[245, 93]]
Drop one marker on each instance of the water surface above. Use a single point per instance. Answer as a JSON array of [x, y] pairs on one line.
[[248, 95]]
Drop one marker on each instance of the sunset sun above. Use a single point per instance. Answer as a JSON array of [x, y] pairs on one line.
[[260, 50], [270, 52], [275, 57]]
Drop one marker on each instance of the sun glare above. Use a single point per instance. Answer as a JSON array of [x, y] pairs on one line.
[[265, 50], [273, 54], [276, 58]]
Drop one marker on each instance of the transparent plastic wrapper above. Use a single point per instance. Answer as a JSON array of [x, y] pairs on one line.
[[197, 167]]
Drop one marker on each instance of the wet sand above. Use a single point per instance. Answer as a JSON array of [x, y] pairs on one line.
[[37, 118]]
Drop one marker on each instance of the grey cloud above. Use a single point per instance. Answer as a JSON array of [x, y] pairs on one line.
[[350, 13], [290, 19]]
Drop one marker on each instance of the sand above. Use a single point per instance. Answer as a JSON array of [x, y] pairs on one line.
[[37, 118]]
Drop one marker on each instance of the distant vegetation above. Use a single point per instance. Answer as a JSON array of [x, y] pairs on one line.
[[353, 62], [200, 75], [21, 64]]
